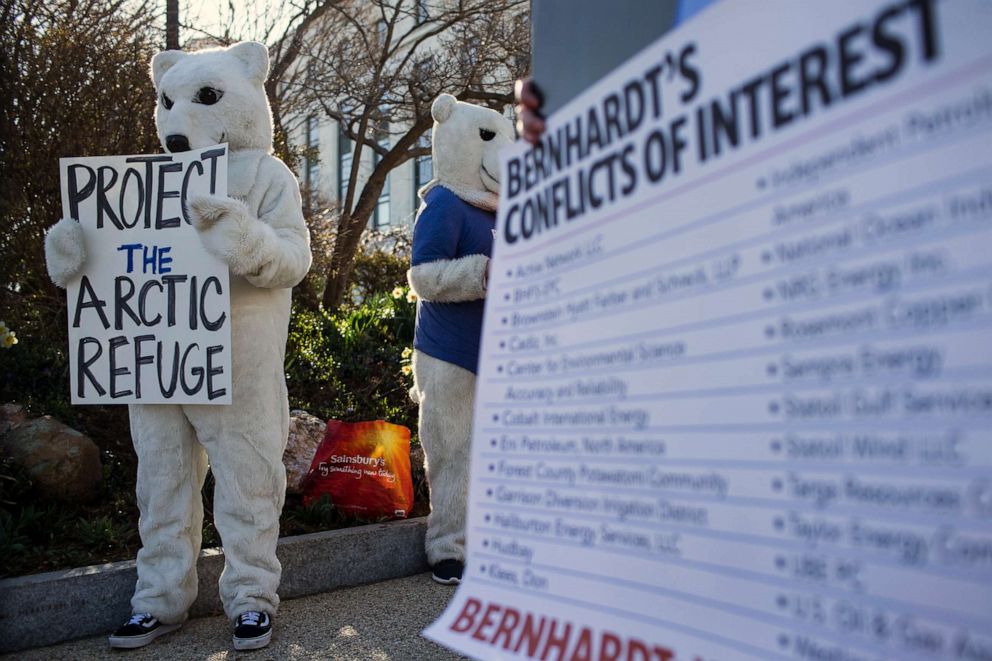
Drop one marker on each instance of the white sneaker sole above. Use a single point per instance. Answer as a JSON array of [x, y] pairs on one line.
[[134, 642], [256, 643], [446, 581]]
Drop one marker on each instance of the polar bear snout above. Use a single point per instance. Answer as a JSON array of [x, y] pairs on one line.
[[490, 182], [176, 143]]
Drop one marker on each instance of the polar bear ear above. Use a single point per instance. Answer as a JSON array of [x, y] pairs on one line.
[[442, 108], [163, 61], [255, 57]]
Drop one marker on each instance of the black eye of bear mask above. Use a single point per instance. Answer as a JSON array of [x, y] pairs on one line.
[[208, 96], [486, 134], [166, 102]]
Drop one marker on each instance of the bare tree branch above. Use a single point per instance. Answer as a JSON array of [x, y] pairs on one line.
[[373, 67]]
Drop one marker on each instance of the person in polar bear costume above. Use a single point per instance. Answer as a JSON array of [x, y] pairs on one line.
[[452, 241], [205, 98]]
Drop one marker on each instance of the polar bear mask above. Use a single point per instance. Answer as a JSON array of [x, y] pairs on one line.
[[213, 96], [466, 143]]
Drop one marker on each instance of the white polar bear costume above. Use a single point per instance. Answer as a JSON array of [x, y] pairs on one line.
[[449, 275], [206, 98]]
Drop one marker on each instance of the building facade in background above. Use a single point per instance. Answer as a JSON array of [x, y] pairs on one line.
[[325, 176]]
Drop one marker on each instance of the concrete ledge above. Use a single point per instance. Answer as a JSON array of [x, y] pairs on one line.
[[44, 609]]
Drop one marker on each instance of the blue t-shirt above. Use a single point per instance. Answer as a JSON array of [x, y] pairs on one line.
[[448, 228]]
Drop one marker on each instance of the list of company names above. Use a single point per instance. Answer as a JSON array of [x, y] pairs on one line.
[[751, 412]]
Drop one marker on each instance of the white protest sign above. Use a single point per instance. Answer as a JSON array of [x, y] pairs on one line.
[[150, 315], [735, 389]]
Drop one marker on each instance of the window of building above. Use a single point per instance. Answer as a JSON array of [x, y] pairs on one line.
[[422, 80], [473, 51], [423, 167], [521, 60], [381, 216], [344, 164], [420, 11], [383, 30], [311, 175]]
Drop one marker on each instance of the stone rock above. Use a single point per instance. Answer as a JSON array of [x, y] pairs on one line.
[[63, 463], [305, 434], [418, 473], [11, 417], [417, 459]]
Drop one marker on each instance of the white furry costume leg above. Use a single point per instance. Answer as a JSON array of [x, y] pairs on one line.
[[445, 392], [244, 442], [171, 468]]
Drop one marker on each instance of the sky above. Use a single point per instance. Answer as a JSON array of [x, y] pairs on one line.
[[250, 17]]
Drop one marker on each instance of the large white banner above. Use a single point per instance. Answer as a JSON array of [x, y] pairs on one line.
[[735, 391], [150, 314]]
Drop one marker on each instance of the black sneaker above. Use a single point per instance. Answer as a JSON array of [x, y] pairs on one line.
[[448, 572], [253, 631], [140, 630]]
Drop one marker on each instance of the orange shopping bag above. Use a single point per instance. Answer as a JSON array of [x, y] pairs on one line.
[[365, 469]]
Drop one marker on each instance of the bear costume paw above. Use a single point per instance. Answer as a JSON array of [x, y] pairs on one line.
[[230, 232], [65, 253], [450, 280]]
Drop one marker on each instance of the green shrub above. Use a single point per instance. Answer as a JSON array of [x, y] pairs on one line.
[[377, 271], [381, 262], [348, 365]]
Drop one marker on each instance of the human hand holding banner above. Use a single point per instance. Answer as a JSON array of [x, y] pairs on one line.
[[149, 314]]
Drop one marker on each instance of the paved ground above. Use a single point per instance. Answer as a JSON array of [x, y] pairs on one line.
[[377, 622]]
